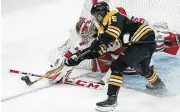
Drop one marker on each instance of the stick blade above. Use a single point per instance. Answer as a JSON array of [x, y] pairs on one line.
[[27, 80]]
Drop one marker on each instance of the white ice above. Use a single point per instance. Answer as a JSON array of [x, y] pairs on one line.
[[29, 30]]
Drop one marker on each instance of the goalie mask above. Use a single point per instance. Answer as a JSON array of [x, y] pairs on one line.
[[85, 29]]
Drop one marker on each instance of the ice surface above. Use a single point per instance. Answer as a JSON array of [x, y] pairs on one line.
[[28, 35]]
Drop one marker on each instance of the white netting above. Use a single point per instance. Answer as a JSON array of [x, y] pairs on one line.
[[167, 11], [153, 10]]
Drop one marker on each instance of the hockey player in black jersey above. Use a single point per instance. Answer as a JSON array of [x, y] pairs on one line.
[[141, 46]]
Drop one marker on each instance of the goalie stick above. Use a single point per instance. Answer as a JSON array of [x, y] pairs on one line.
[[24, 73], [65, 80], [29, 82], [72, 81], [37, 75]]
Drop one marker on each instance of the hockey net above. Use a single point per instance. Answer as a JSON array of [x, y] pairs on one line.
[[165, 11]]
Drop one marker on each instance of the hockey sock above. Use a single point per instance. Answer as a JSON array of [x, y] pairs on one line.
[[114, 84]]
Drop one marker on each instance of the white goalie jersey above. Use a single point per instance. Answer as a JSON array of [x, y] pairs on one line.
[[71, 45]]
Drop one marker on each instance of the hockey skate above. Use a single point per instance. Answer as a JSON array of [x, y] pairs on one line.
[[157, 85], [101, 82], [109, 105]]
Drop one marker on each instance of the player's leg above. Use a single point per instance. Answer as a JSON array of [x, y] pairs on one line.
[[149, 72], [114, 84], [102, 64], [130, 58]]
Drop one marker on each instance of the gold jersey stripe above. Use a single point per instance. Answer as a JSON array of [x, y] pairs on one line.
[[116, 77], [142, 34], [114, 84], [100, 29], [112, 34], [138, 30], [113, 31], [107, 17], [100, 52], [115, 28]]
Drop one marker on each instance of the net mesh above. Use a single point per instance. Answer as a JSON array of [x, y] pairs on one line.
[[167, 11]]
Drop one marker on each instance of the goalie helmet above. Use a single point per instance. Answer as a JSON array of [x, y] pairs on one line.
[[85, 29], [99, 11]]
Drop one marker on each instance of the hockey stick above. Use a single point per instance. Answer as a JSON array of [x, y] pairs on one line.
[[37, 75], [24, 73], [145, 42], [66, 80], [29, 82]]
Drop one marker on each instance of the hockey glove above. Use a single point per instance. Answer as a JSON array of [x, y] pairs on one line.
[[168, 43], [73, 60]]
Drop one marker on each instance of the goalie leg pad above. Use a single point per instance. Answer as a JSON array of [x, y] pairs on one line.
[[65, 72]]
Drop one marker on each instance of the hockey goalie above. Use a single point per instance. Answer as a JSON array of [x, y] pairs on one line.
[[85, 32]]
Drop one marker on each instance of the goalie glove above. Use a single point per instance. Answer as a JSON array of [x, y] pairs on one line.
[[172, 40], [168, 43]]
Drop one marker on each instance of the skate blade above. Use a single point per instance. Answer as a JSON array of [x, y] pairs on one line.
[[106, 109]]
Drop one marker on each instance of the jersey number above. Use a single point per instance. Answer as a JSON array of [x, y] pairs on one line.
[[114, 18]]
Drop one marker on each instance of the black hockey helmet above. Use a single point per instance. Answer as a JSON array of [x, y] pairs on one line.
[[99, 10]]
